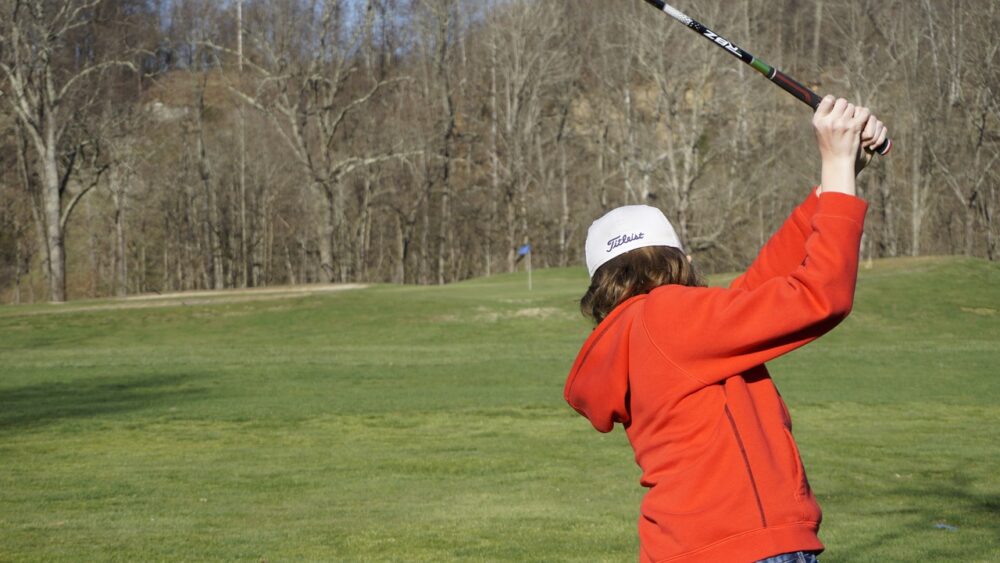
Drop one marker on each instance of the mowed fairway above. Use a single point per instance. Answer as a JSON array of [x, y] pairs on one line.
[[427, 424]]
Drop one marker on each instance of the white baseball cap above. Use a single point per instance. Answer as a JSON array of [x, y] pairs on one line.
[[627, 228]]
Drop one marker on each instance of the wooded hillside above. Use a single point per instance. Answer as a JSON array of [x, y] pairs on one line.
[[163, 145]]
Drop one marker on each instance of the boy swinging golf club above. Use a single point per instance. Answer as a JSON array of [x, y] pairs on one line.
[[681, 366]]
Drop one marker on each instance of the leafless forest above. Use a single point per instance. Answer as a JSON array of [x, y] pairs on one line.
[[164, 145]]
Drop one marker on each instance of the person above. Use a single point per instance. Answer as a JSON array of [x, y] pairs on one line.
[[681, 365]]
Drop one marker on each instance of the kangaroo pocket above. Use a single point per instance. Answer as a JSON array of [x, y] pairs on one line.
[[700, 499], [801, 484]]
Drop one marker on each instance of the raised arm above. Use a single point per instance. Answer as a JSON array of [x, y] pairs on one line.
[[712, 334], [786, 248]]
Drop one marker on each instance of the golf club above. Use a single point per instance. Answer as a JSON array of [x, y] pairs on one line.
[[786, 82]]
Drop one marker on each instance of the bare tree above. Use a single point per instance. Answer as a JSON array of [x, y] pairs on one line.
[[295, 141], [967, 146], [530, 61], [47, 81], [441, 28], [308, 88]]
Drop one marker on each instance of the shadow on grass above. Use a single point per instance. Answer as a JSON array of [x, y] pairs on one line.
[[951, 504], [37, 405]]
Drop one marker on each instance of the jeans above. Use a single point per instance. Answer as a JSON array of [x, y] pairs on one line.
[[797, 557]]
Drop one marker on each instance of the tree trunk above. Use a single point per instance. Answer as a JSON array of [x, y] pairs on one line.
[[989, 213], [970, 228], [448, 116], [425, 227], [17, 265], [141, 284], [247, 271], [96, 258], [288, 267], [246, 261], [494, 159], [564, 206], [399, 275], [817, 33], [916, 224], [889, 243], [33, 191], [362, 230], [262, 275], [511, 219], [216, 275], [120, 268], [327, 230], [53, 226], [343, 254], [920, 188], [442, 257]]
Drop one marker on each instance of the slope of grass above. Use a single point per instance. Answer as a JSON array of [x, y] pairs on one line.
[[427, 424]]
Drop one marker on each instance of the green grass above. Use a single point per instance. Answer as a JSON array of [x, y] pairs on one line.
[[427, 424]]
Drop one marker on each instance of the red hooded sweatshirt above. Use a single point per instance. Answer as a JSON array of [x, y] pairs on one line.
[[682, 369]]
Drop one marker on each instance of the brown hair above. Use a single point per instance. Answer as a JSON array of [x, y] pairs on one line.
[[634, 273]]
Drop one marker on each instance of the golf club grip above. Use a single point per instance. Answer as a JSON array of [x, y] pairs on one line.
[[793, 87]]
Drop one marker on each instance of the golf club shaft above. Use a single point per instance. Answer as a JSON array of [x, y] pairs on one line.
[[786, 82]]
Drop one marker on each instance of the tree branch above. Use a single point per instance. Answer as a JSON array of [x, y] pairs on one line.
[[87, 71], [64, 180], [354, 104], [347, 165], [76, 198]]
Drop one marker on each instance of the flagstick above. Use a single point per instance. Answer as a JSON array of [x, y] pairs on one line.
[[529, 270]]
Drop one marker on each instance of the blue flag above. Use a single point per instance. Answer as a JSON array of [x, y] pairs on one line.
[[524, 250]]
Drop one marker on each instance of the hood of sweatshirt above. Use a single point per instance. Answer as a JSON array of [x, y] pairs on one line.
[[597, 386]]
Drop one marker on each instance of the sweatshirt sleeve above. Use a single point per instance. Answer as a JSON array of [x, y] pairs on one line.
[[785, 250], [714, 333]]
